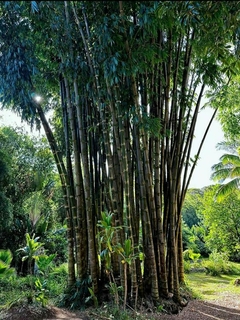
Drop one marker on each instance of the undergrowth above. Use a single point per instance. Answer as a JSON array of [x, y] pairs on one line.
[[14, 290]]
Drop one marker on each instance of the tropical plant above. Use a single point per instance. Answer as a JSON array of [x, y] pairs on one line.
[[5, 262], [79, 295], [41, 291], [228, 169], [109, 247], [128, 255], [31, 251], [43, 263], [42, 267]]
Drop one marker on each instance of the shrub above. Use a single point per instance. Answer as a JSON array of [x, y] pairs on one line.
[[55, 242], [59, 271], [187, 266], [78, 296], [189, 254], [217, 264]]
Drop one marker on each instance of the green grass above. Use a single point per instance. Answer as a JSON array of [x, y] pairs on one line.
[[208, 287]]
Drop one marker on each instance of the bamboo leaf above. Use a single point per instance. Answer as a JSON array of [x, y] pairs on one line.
[[34, 7]]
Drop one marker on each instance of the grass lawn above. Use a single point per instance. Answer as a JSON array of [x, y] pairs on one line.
[[208, 287]]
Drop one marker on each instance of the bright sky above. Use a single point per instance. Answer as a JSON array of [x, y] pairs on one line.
[[209, 154], [8, 118], [208, 157]]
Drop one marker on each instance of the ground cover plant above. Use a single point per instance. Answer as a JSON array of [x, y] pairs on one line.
[[16, 289]]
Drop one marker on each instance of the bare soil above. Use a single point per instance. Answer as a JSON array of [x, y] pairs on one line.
[[225, 308]]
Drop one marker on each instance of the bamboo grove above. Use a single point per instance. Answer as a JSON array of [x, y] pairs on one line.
[[125, 81]]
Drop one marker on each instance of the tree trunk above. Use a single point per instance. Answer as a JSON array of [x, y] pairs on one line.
[[66, 194]]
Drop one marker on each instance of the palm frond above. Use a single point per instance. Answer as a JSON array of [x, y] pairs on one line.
[[226, 189], [221, 174], [230, 159], [235, 173], [217, 166], [227, 146]]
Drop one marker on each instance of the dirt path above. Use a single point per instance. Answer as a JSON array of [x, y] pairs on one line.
[[226, 308], [200, 310], [196, 310]]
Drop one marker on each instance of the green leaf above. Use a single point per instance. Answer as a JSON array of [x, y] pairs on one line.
[[6, 256], [34, 7], [127, 247], [3, 267]]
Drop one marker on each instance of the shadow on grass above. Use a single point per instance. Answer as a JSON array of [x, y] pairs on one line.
[[208, 288]]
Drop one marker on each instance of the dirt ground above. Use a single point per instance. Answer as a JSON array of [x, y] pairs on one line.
[[226, 308]]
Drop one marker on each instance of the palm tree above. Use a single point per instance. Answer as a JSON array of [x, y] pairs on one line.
[[228, 171]]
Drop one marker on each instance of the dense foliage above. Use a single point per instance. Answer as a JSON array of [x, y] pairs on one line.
[[223, 221], [29, 190], [217, 228]]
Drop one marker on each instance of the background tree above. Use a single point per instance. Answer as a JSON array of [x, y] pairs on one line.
[[227, 172], [6, 210], [191, 211], [221, 218], [28, 181], [228, 104], [194, 229]]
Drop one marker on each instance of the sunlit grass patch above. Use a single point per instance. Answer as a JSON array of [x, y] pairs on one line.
[[208, 287]]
